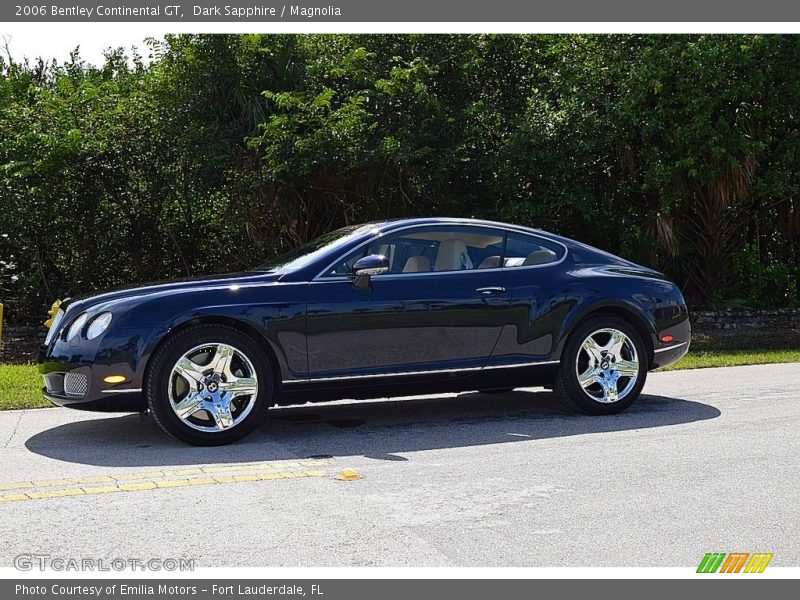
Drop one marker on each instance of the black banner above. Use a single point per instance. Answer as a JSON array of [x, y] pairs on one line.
[[373, 589], [266, 11]]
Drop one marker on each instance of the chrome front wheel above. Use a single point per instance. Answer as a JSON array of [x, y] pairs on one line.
[[212, 387], [209, 384]]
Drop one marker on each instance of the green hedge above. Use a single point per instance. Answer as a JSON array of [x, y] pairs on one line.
[[676, 151]]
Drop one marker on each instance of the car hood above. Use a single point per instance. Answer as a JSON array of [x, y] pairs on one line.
[[142, 291]]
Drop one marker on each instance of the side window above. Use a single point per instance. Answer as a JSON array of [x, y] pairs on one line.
[[435, 248], [527, 250]]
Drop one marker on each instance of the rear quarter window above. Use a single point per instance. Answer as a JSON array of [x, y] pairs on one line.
[[529, 250]]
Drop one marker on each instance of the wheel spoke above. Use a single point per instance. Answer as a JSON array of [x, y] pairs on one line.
[[615, 344], [588, 377], [593, 350], [626, 368], [221, 361], [242, 386], [189, 405], [221, 412], [610, 393], [189, 371]]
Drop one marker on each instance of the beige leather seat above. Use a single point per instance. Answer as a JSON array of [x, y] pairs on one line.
[[490, 262], [452, 256], [539, 257], [417, 264]]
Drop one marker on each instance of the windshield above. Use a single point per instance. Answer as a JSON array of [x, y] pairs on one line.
[[308, 252]]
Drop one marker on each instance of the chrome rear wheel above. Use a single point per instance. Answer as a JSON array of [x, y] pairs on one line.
[[607, 365], [603, 366]]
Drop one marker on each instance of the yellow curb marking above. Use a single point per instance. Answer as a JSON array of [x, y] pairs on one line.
[[180, 472], [55, 493], [348, 475], [55, 482], [168, 483], [16, 486], [172, 484], [100, 489], [12, 497], [136, 487], [135, 476], [202, 481], [98, 479], [157, 474]]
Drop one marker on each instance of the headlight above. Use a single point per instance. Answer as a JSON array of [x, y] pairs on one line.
[[76, 327], [56, 323], [99, 325]]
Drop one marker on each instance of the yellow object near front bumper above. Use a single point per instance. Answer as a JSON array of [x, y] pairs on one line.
[[52, 313]]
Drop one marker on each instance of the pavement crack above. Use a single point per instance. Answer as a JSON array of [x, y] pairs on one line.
[[15, 429]]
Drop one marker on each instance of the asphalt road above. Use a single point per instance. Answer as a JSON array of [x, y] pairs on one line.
[[707, 460]]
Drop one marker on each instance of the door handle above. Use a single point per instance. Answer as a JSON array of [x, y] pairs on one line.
[[491, 291]]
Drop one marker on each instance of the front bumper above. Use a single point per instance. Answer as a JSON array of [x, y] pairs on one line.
[[73, 372], [127, 401], [82, 387]]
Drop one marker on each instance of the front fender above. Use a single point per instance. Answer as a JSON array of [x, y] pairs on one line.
[[279, 325]]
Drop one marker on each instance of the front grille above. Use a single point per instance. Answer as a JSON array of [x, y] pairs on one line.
[[76, 384]]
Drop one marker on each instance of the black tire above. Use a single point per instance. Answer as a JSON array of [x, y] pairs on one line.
[[566, 386], [159, 373]]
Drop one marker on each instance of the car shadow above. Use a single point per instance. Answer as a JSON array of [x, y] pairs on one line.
[[384, 430]]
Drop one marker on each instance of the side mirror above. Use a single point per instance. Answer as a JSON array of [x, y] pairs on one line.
[[366, 267]]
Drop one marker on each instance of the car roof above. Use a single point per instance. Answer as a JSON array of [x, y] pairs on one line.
[[392, 224], [570, 244], [366, 230]]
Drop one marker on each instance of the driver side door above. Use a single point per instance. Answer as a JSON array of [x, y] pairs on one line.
[[440, 307]]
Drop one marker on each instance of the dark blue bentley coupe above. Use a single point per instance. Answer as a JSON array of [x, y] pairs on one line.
[[403, 307]]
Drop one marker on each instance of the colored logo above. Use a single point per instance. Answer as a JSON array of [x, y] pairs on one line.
[[734, 562]]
